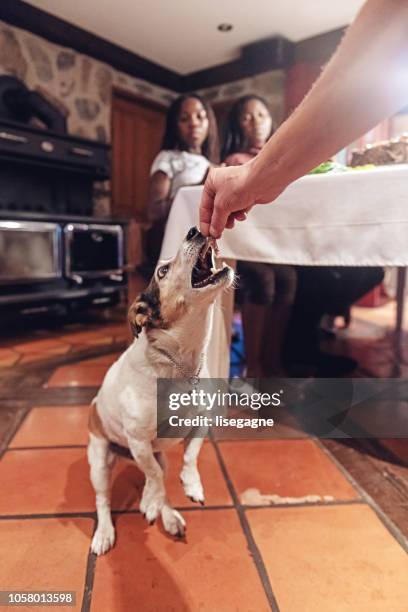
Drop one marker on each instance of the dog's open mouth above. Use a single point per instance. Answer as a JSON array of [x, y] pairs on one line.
[[204, 271]]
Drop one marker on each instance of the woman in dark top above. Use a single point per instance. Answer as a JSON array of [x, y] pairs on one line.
[[267, 290]]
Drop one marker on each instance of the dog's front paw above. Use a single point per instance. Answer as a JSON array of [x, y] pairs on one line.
[[152, 510], [103, 540], [192, 486], [173, 522], [151, 503]]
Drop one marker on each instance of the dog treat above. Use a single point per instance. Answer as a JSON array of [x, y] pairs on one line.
[[211, 243]]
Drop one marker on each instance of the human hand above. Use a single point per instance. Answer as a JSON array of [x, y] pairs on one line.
[[227, 197]]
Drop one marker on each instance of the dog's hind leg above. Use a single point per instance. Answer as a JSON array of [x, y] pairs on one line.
[[190, 476], [101, 460]]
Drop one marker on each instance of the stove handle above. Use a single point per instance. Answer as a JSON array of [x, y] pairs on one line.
[[81, 152], [14, 138], [77, 279]]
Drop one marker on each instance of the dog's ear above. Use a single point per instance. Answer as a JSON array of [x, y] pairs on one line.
[[138, 315], [145, 310]]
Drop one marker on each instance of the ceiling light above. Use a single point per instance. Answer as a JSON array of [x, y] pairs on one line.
[[225, 27]]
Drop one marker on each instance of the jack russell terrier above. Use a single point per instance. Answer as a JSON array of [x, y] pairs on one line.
[[171, 322]]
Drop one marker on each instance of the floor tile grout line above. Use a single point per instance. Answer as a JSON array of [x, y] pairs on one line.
[[92, 513], [271, 507], [49, 390], [53, 447], [318, 504], [45, 515], [181, 509], [261, 440], [89, 577], [62, 405], [45, 393], [385, 520], [252, 546]]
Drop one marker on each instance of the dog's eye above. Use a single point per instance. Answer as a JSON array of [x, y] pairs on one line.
[[162, 271]]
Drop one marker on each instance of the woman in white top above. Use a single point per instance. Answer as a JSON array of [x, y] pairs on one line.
[[189, 147]]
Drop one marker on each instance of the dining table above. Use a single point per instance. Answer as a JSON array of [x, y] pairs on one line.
[[349, 218]]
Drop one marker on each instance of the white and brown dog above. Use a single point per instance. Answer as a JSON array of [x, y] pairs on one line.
[[171, 322]]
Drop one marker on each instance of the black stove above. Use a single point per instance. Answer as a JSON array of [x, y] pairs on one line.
[[53, 251]]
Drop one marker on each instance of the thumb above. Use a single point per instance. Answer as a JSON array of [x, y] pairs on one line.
[[206, 207]]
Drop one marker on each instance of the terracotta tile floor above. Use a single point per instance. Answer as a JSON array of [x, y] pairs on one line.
[[283, 528], [39, 348], [76, 375], [367, 572], [295, 469], [213, 570], [45, 554], [53, 426], [334, 551]]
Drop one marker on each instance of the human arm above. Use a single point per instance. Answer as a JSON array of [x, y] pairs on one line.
[[365, 81], [159, 202]]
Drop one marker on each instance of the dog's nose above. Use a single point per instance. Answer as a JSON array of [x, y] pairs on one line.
[[192, 233]]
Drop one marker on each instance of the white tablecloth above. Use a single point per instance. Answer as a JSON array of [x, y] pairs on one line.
[[353, 218]]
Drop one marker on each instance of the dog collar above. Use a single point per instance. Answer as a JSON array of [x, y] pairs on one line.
[[193, 377]]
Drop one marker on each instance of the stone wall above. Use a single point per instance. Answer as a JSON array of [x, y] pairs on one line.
[[79, 85]]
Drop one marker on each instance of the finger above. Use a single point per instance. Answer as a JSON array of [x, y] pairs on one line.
[[219, 217], [206, 208], [230, 222], [242, 215]]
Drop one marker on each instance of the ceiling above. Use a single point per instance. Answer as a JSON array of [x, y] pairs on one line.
[[182, 35]]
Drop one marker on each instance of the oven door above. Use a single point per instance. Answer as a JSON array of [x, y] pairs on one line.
[[30, 251], [93, 251]]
